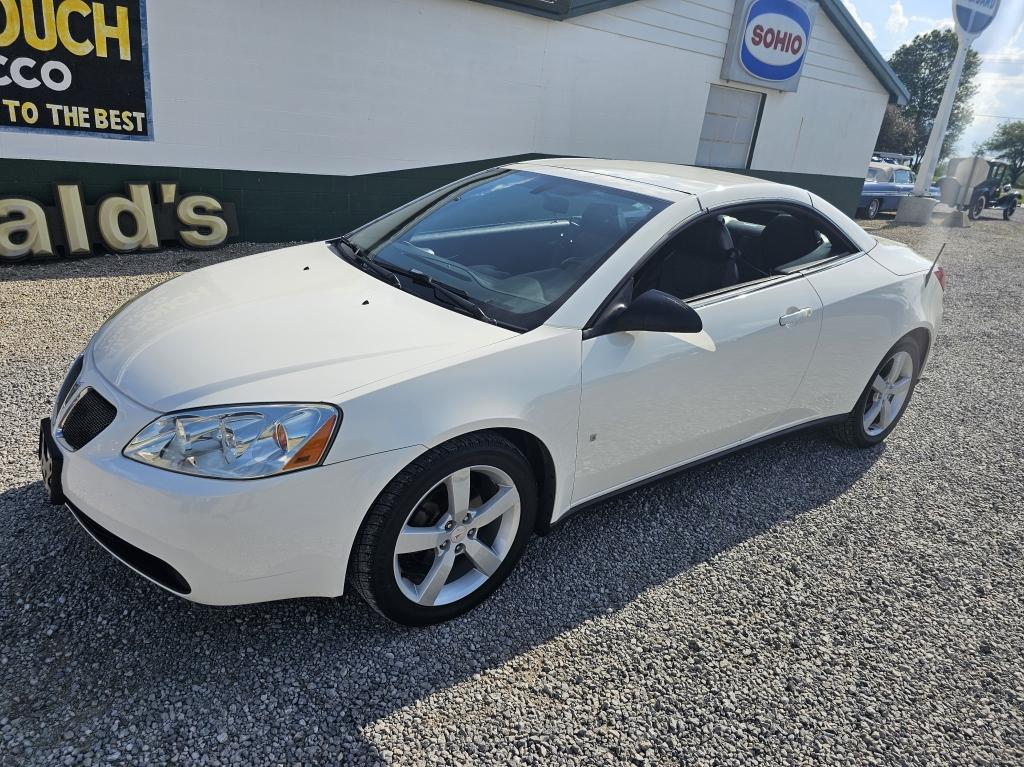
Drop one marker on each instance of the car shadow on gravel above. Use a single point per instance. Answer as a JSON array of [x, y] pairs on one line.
[[86, 642]]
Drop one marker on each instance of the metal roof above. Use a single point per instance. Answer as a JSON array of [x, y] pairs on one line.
[[834, 9]]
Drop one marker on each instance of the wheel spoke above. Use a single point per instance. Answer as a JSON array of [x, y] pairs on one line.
[[419, 539], [871, 414], [436, 578], [899, 361], [901, 386], [501, 502], [483, 557], [880, 385], [457, 485], [887, 413]]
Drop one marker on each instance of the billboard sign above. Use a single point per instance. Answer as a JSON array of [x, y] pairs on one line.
[[72, 67]]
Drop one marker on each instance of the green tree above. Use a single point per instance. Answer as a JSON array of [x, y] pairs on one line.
[[923, 65], [1007, 143], [897, 132]]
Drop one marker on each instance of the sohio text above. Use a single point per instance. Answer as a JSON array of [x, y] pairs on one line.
[[777, 39], [122, 223]]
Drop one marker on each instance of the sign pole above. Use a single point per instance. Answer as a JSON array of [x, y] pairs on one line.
[[971, 18], [931, 155]]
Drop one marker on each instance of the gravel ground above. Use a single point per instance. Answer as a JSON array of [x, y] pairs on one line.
[[798, 603]]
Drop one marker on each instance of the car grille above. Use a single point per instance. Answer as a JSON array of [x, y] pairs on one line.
[[90, 415]]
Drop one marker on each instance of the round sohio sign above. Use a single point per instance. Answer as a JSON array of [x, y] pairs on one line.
[[974, 16], [774, 40]]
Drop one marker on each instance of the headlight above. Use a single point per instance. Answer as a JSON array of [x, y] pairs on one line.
[[243, 442]]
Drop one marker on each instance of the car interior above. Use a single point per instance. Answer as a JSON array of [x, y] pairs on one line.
[[747, 245], [522, 241]]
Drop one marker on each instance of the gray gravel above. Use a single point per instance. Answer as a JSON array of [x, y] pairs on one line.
[[799, 603]]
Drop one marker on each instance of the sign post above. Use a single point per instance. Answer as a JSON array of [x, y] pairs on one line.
[[972, 17]]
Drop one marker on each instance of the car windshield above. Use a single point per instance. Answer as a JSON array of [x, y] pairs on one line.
[[877, 174], [514, 242]]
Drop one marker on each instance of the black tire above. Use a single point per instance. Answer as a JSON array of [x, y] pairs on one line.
[[852, 431], [978, 205], [372, 562], [873, 209], [1008, 211]]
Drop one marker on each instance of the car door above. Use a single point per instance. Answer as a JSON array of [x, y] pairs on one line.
[[652, 401]]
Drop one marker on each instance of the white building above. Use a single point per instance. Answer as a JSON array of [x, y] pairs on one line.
[[312, 117]]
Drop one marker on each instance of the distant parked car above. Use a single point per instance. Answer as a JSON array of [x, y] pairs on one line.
[[884, 186], [995, 192]]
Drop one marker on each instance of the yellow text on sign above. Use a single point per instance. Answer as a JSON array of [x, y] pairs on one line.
[[20, 21]]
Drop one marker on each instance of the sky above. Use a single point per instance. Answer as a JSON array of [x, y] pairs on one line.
[[891, 23]]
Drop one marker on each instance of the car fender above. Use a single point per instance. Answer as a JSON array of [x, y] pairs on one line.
[[530, 383]]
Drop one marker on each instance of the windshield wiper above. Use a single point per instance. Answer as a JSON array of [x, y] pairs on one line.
[[389, 273], [454, 296], [367, 264]]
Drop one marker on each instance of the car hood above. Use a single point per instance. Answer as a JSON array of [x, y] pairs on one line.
[[298, 324]]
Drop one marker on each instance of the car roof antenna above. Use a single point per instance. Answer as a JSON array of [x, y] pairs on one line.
[[932, 269]]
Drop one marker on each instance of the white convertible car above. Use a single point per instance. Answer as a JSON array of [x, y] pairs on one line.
[[402, 408]]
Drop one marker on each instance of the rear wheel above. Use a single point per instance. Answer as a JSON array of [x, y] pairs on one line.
[[873, 209], [446, 531], [977, 207], [1009, 210], [885, 398]]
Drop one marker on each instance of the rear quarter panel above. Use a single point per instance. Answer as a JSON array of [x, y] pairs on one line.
[[867, 309]]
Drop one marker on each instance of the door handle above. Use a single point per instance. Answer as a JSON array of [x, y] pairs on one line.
[[793, 316]]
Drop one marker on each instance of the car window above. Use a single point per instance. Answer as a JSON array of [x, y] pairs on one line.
[[747, 245], [515, 242], [902, 177]]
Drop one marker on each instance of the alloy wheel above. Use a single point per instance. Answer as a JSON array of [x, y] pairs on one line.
[[873, 208], [890, 390], [457, 536]]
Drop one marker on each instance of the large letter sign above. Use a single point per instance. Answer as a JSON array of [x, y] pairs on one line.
[[768, 42]]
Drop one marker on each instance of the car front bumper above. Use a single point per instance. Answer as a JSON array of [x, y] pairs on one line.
[[219, 541]]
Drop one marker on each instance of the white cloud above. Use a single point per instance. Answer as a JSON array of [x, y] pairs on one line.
[[867, 26], [898, 21], [998, 94]]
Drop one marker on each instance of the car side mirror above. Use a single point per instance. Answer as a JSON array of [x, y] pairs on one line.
[[658, 312]]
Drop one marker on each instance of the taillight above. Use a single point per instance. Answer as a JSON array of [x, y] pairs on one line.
[[940, 275]]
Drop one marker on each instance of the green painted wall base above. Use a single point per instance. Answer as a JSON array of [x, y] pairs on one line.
[[279, 207]]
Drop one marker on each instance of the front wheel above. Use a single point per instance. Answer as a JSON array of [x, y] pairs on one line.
[[446, 531], [885, 398], [873, 209], [1009, 210], [977, 207]]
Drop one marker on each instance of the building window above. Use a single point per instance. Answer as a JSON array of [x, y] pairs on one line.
[[730, 126]]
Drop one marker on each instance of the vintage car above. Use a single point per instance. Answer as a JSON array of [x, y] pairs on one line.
[[995, 192], [884, 186]]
